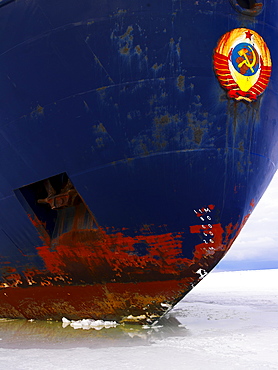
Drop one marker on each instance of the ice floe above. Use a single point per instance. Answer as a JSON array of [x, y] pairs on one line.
[[88, 324]]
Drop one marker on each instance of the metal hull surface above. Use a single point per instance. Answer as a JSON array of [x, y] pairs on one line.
[[126, 170]]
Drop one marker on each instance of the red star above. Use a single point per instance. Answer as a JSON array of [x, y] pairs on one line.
[[248, 35]]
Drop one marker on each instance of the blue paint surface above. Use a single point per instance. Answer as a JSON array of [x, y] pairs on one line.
[[122, 97]]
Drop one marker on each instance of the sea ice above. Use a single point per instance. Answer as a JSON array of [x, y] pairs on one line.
[[88, 324]]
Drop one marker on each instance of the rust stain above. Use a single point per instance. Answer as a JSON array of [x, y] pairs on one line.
[[83, 255], [99, 142], [114, 253], [144, 148], [162, 120], [121, 12], [178, 48], [159, 139], [252, 203], [40, 226], [156, 67], [99, 128], [127, 33], [102, 88], [180, 82], [240, 167], [243, 222], [38, 111], [198, 133], [125, 49], [118, 301], [138, 49], [198, 122]]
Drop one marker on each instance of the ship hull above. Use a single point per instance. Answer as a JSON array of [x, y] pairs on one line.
[[126, 170]]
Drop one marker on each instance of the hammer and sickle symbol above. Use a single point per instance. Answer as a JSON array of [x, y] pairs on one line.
[[246, 61]]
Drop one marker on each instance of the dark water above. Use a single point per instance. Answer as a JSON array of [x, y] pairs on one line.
[[25, 334]]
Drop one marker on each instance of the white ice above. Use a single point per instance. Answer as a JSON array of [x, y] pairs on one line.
[[88, 324], [229, 321]]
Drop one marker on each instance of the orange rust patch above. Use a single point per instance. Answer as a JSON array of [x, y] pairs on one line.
[[252, 203], [116, 252], [82, 256], [207, 248], [99, 273]]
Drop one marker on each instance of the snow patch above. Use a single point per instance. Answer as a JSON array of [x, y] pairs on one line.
[[166, 305], [202, 273]]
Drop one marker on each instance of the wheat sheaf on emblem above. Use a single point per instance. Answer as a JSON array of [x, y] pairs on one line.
[[242, 64]]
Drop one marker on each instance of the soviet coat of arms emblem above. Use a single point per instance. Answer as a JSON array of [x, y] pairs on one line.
[[242, 64]]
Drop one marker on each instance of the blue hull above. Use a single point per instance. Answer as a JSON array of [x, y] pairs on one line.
[[126, 171]]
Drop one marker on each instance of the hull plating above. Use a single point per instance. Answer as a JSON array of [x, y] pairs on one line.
[[126, 171]]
